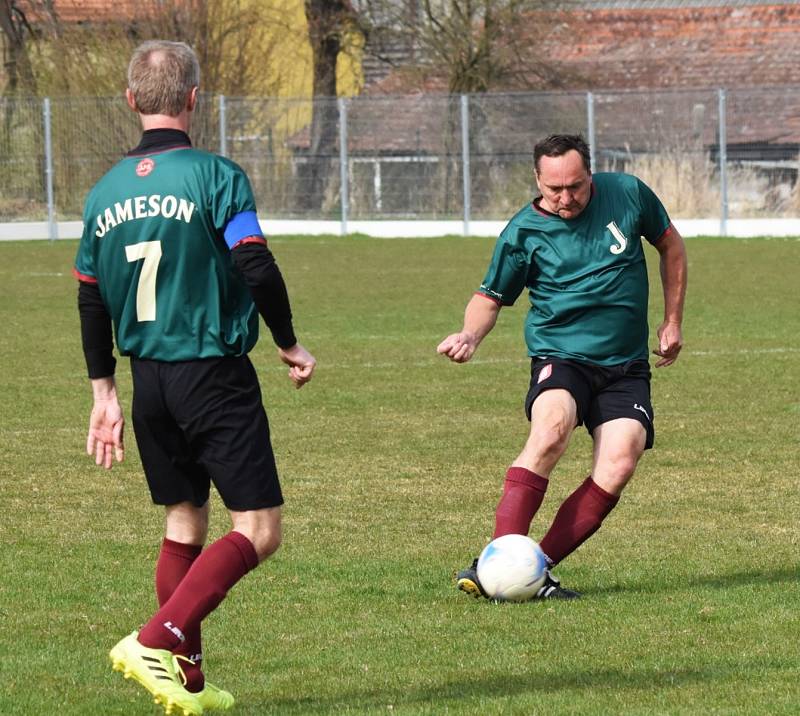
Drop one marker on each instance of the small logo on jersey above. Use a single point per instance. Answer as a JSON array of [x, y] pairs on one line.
[[545, 373], [618, 236], [636, 406], [144, 167]]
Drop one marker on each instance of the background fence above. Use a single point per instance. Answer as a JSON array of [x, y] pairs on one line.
[[714, 154]]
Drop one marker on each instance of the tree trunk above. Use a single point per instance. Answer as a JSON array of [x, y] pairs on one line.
[[327, 21], [18, 67]]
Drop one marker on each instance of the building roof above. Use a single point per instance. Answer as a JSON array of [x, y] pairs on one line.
[[725, 46], [85, 11], [633, 45], [655, 71]]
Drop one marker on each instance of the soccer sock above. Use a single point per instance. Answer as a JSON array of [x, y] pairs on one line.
[[578, 518], [174, 562], [201, 591], [523, 493]]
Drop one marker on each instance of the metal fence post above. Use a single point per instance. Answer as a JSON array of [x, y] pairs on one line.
[[343, 173], [52, 229], [465, 172], [223, 129], [590, 129], [723, 161]]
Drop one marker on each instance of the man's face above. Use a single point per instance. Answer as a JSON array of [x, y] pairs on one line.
[[565, 184]]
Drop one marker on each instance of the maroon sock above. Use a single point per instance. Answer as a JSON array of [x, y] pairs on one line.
[[205, 585], [578, 518], [523, 493], [174, 562]]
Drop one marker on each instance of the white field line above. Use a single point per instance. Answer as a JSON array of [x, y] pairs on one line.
[[745, 351], [434, 360], [525, 360]]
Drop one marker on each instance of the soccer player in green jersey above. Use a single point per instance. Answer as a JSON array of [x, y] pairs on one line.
[[577, 249], [173, 256]]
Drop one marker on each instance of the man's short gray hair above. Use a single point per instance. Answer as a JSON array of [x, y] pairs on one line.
[[160, 76]]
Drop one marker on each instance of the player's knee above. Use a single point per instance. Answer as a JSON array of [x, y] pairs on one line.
[[550, 441], [619, 468], [267, 541]]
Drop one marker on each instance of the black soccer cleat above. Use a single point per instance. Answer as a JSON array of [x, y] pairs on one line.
[[552, 589], [467, 581]]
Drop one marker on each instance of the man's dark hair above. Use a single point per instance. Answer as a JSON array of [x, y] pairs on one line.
[[557, 145]]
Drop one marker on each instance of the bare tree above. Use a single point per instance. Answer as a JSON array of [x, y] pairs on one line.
[[78, 57], [331, 24], [227, 37], [462, 46], [16, 30]]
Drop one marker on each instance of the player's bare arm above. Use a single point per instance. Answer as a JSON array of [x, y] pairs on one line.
[[480, 317], [301, 364], [673, 269], [106, 424]]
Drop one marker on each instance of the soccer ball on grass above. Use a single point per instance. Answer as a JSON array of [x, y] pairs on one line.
[[511, 568]]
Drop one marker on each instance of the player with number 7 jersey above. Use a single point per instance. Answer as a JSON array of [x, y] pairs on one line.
[[158, 231], [172, 255]]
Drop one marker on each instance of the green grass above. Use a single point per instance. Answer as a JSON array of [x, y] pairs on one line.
[[392, 462]]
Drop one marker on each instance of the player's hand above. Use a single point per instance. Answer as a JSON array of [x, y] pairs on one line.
[[458, 347], [670, 342], [301, 364], [106, 426]]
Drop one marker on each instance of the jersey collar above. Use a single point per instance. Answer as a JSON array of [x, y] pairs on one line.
[[159, 140]]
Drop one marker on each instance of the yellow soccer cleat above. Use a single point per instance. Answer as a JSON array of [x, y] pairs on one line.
[[214, 698], [211, 697], [158, 672]]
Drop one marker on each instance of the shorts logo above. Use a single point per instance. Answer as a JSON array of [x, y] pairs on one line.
[[144, 167], [638, 407], [545, 373]]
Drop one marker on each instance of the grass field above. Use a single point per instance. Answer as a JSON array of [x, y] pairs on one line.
[[392, 461]]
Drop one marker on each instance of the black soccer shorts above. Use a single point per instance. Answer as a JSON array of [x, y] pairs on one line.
[[202, 421], [602, 393]]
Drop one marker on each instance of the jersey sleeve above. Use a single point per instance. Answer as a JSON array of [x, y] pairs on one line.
[[233, 206], [654, 219], [507, 274], [84, 269]]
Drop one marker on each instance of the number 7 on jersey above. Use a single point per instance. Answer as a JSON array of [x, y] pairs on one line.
[[150, 252]]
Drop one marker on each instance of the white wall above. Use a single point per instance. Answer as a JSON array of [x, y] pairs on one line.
[[23, 230]]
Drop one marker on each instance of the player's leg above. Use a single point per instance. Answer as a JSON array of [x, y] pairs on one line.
[[165, 456], [262, 527], [553, 418], [212, 574], [619, 418], [185, 534], [618, 445], [558, 396], [218, 568], [225, 422], [186, 523]]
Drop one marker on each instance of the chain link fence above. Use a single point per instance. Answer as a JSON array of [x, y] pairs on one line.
[[715, 154]]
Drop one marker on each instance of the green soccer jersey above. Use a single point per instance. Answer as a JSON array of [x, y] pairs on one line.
[[586, 277], [158, 229]]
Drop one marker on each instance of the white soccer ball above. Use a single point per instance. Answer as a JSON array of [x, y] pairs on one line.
[[511, 568]]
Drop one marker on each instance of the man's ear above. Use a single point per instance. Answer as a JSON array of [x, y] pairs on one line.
[[129, 98], [191, 101]]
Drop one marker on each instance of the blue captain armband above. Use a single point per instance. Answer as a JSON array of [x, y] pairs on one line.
[[240, 227]]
